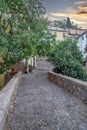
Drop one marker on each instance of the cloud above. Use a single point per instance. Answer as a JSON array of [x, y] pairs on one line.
[[79, 17], [65, 0], [82, 12], [81, 2], [50, 17], [77, 9], [59, 14], [82, 8], [77, 14]]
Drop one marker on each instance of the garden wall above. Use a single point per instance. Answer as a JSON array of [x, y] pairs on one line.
[[72, 85], [7, 95]]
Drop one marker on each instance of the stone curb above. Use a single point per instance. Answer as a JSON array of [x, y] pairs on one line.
[[6, 95], [72, 85]]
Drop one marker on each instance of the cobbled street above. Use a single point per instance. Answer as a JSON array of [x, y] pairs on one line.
[[42, 105]]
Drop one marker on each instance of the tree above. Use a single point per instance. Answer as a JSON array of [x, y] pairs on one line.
[[20, 21], [71, 45], [46, 44], [65, 23], [59, 24], [9, 35], [68, 23], [67, 60]]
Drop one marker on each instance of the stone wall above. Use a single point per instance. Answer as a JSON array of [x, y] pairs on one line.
[[72, 85], [7, 95]]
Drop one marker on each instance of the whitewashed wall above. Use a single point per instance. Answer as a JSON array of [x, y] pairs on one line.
[[82, 41], [31, 61]]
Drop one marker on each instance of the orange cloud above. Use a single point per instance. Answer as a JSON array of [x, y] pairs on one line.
[[78, 18], [59, 14], [77, 14]]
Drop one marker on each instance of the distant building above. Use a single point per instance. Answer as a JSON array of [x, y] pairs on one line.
[[74, 32], [82, 44], [60, 33]]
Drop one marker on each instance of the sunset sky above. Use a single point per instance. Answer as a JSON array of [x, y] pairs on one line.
[[75, 9]]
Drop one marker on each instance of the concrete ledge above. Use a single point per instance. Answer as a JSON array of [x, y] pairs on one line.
[[6, 95], [72, 85]]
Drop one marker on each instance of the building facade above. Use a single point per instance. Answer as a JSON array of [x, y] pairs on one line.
[[82, 44], [61, 34]]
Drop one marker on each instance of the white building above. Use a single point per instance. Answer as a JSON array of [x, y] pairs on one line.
[[82, 44]]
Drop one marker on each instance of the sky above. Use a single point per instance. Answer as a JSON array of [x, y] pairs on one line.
[[76, 10]]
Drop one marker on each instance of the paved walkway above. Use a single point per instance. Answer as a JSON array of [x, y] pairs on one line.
[[43, 64], [42, 105]]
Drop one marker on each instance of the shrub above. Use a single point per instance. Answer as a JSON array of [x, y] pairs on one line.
[[67, 64]]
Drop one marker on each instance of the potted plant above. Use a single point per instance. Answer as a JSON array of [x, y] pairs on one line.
[[13, 70], [25, 69], [30, 68]]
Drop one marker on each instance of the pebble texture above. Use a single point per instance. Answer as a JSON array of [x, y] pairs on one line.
[[42, 105]]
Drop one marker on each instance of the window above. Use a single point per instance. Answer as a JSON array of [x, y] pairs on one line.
[[86, 35], [85, 49], [82, 37]]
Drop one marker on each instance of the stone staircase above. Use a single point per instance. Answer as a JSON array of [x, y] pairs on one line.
[[43, 64]]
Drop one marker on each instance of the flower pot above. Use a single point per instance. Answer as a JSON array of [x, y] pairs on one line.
[[30, 68], [26, 70]]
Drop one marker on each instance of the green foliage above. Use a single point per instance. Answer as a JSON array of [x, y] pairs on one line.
[[10, 53], [21, 27], [66, 23], [59, 24], [67, 60], [71, 45], [46, 44]]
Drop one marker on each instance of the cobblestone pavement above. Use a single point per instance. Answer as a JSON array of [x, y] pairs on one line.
[[42, 105]]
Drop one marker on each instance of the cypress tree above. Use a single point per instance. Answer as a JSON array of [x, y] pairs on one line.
[[68, 23]]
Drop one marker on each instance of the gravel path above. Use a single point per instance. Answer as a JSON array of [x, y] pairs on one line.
[[42, 105]]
